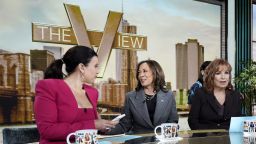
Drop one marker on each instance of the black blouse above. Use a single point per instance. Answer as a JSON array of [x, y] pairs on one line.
[[220, 108], [207, 113], [151, 105]]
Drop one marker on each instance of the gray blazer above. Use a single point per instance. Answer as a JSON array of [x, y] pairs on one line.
[[137, 118]]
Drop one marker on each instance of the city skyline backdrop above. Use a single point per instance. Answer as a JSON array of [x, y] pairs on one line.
[[165, 23]]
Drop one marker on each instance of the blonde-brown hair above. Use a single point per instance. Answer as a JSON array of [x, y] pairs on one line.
[[211, 70]]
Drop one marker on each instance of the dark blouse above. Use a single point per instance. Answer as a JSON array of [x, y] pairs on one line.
[[220, 108], [151, 105], [207, 113]]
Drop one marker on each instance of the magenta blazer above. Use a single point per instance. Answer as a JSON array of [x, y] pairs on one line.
[[57, 113]]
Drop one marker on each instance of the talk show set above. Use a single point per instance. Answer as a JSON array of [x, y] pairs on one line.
[[128, 72]]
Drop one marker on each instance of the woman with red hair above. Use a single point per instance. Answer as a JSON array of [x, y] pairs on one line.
[[216, 102]]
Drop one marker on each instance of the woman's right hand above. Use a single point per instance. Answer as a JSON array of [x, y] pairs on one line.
[[102, 124]]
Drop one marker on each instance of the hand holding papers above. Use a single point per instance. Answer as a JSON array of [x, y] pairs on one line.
[[118, 117]]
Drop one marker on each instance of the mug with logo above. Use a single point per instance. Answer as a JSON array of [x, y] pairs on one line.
[[88, 136], [167, 130]]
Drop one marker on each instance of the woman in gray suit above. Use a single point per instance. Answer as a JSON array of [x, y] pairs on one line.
[[150, 105]]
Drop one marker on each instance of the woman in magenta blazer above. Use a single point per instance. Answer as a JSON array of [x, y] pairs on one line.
[[65, 105]]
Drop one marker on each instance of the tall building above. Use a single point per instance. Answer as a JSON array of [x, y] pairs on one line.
[[129, 60], [35, 76], [41, 59], [189, 57], [181, 66], [113, 92], [57, 51], [16, 99]]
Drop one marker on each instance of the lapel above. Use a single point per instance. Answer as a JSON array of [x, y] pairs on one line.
[[91, 94], [141, 106], [161, 104], [212, 102], [228, 103]]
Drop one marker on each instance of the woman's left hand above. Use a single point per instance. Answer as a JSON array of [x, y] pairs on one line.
[[104, 125]]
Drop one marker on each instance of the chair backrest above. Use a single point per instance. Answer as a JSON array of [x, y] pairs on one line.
[[20, 135]]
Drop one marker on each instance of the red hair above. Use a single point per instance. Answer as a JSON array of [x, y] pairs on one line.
[[211, 70]]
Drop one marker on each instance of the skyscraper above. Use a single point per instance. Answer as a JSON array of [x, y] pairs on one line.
[[41, 59], [57, 51], [181, 66], [189, 57], [127, 60]]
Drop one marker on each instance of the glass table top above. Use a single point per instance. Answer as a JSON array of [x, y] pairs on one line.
[[191, 137]]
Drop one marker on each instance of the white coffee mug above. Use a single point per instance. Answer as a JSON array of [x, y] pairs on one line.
[[88, 136], [168, 130]]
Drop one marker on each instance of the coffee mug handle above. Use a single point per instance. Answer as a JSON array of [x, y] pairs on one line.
[[156, 129], [67, 139]]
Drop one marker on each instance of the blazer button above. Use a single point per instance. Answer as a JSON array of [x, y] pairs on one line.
[[218, 125]]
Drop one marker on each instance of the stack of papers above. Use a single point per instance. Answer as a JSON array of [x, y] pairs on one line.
[[109, 136], [121, 138]]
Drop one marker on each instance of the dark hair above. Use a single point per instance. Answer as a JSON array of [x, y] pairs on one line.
[[210, 72], [203, 67], [158, 76], [73, 57]]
